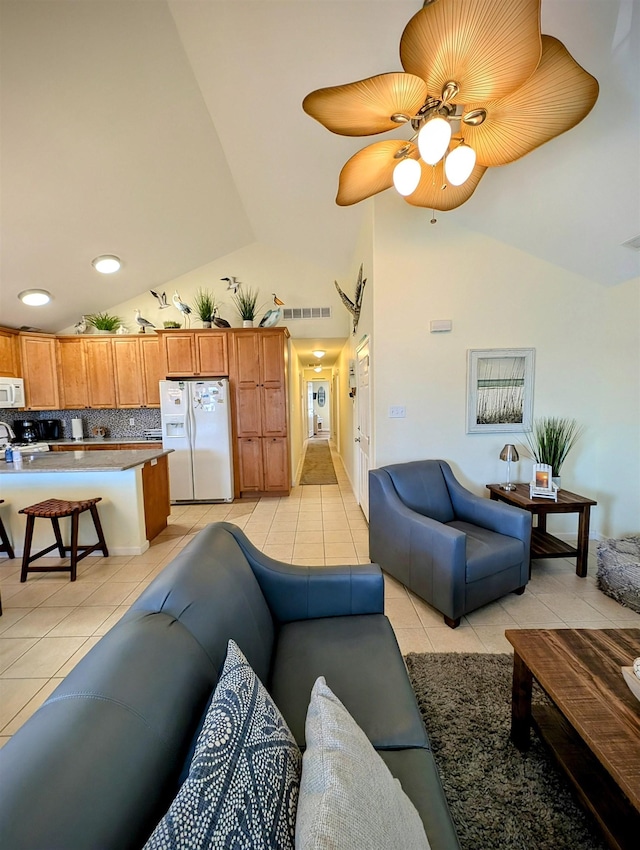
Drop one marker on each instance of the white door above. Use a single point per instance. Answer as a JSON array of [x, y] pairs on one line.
[[310, 428], [363, 426]]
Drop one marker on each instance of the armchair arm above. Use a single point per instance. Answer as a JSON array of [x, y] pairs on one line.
[[496, 516], [425, 555], [295, 592]]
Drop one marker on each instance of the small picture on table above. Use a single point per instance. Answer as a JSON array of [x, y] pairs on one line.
[[542, 479]]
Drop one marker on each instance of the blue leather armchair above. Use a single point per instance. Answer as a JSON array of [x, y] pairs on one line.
[[455, 550]]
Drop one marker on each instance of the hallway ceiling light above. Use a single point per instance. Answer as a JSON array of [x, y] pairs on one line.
[[319, 353], [35, 297], [317, 368], [106, 263], [481, 87]]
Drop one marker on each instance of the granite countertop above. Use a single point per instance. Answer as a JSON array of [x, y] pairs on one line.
[[106, 461]]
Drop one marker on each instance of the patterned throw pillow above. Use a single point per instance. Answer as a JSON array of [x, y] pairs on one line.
[[348, 797], [244, 779]]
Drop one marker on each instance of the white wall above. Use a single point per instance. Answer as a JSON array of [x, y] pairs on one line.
[[587, 356]]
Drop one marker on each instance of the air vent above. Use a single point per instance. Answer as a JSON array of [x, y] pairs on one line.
[[634, 243], [306, 313]]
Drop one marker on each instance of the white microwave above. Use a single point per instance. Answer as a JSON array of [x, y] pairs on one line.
[[11, 392]]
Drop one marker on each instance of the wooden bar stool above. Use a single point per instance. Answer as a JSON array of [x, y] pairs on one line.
[[55, 509]]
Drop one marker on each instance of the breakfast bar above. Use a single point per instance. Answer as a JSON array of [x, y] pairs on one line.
[[133, 484]]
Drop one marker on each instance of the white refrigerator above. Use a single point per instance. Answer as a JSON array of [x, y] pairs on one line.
[[196, 424]]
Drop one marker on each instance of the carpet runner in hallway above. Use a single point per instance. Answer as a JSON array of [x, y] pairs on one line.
[[318, 466]]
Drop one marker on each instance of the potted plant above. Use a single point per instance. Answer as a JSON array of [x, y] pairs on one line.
[[246, 301], [171, 325], [205, 306], [104, 323], [552, 439]]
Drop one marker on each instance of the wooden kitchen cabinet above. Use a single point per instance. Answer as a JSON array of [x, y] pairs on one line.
[[100, 373], [38, 356], [150, 370], [72, 371], [127, 369], [258, 381], [9, 354], [194, 354]]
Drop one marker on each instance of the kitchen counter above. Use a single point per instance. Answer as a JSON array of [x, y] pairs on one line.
[[133, 486], [81, 461], [104, 441]]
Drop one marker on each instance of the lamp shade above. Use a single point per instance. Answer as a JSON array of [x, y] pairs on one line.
[[433, 140], [459, 164], [406, 176], [510, 453]]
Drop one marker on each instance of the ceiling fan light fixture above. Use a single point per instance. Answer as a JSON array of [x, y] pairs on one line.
[[459, 164], [433, 139], [406, 176], [106, 263], [35, 297]]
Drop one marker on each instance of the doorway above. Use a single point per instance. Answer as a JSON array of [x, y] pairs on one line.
[[363, 426], [319, 401]]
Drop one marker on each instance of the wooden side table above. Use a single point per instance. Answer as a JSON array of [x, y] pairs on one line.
[[543, 544]]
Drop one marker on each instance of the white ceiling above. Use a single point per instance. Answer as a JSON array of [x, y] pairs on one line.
[[171, 134]]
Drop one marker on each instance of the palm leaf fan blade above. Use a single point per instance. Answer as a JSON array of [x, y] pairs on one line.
[[365, 108], [370, 171], [488, 48], [556, 98], [434, 192]]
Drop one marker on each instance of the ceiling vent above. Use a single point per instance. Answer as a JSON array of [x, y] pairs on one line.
[[306, 313], [634, 243]]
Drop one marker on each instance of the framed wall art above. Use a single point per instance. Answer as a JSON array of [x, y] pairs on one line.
[[500, 389]]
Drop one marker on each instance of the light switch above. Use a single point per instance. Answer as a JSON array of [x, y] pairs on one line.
[[397, 412]]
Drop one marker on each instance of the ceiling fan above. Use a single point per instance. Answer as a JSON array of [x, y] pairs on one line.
[[481, 87]]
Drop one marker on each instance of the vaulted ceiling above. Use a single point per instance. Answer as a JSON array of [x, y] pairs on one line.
[[172, 133]]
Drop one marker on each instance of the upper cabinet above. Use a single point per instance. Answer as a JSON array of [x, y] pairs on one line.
[[72, 370], [194, 354], [9, 354], [151, 370], [100, 372], [38, 355], [137, 371]]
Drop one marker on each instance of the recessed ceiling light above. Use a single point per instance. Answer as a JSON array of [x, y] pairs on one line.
[[106, 263], [319, 353], [35, 297]]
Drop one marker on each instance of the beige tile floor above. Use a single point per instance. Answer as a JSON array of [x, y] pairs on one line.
[[49, 623]]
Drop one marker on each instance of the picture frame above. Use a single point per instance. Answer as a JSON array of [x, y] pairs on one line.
[[500, 390], [542, 485]]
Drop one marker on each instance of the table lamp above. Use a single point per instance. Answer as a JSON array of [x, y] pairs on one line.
[[509, 453]]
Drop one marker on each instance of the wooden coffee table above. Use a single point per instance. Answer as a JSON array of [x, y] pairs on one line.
[[593, 725], [543, 544]]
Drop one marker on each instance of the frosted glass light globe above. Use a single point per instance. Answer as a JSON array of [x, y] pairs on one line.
[[459, 164], [433, 140], [406, 176]]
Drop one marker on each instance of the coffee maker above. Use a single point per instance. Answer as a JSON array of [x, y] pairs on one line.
[[27, 430]]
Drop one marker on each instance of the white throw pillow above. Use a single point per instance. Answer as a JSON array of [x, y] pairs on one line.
[[348, 798]]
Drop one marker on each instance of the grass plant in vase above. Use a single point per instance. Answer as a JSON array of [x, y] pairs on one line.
[[205, 306], [171, 326], [246, 301], [551, 440], [104, 323]]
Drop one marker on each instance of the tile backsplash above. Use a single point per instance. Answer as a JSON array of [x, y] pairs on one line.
[[115, 422]]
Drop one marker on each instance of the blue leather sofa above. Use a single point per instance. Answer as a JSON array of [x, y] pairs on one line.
[[455, 550], [96, 767]]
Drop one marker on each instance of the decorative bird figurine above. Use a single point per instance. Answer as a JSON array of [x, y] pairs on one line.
[[232, 283], [142, 323], [184, 308], [81, 326], [161, 298], [354, 306], [272, 317], [218, 322]]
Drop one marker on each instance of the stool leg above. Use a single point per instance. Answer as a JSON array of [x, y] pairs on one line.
[[28, 537], [74, 544], [56, 530], [6, 546], [99, 532]]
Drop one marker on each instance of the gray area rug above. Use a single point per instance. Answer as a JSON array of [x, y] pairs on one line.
[[318, 466], [500, 798]]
